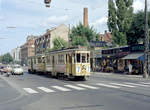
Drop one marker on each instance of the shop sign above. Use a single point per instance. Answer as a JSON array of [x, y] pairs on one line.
[[121, 54], [138, 48]]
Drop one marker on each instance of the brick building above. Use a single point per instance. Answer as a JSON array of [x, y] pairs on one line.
[[28, 49], [107, 37], [45, 41]]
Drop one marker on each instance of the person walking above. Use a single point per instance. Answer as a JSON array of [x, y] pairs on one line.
[[130, 68]]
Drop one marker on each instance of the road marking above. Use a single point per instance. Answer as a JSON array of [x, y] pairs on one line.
[[87, 86], [45, 89], [29, 90], [61, 88], [106, 85], [124, 85], [137, 84], [74, 87], [145, 83]]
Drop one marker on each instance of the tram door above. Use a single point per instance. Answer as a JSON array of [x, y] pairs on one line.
[[53, 65], [69, 64]]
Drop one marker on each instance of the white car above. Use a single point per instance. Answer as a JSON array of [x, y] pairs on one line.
[[17, 70]]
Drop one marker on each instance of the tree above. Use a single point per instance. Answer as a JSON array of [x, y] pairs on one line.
[[135, 34], [81, 35], [59, 43], [7, 58], [120, 16], [0, 59]]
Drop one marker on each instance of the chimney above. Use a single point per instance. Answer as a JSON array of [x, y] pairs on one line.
[[85, 19]]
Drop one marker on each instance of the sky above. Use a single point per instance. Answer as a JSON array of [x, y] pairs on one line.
[[31, 17]]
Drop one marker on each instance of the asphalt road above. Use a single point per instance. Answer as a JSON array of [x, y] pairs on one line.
[[100, 92]]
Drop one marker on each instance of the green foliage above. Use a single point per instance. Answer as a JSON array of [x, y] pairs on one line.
[[120, 16], [82, 35], [135, 34], [0, 59], [78, 40], [7, 58], [59, 43]]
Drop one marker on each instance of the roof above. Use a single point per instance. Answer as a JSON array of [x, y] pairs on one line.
[[70, 49], [107, 36], [133, 56]]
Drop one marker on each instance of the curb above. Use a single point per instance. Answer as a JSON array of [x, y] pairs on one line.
[[120, 75]]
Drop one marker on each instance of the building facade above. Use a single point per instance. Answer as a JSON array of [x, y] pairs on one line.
[[28, 49], [16, 54], [45, 41]]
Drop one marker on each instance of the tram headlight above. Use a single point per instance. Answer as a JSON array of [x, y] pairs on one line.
[[78, 69]]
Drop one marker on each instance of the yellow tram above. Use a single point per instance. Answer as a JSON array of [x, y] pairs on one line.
[[70, 63]]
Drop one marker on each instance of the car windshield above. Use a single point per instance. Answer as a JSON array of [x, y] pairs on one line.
[[17, 67]]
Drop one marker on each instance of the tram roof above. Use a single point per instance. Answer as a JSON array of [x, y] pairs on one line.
[[70, 49]]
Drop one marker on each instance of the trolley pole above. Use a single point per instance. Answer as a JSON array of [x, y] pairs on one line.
[[146, 44]]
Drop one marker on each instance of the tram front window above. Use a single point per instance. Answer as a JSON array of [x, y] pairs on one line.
[[84, 58], [78, 58], [88, 57]]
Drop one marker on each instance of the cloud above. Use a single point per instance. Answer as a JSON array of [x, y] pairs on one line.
[[58, 19], [138, 5], [55, 20], [100, 21]]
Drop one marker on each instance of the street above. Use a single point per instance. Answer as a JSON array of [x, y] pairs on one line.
[[100, 92]]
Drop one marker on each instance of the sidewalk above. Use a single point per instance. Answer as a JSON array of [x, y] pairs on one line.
[[118, 74]]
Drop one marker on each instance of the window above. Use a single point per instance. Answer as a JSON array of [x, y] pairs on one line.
[[88, 58], [61, 59], [48, 59], [78, 58], [39, 60], [83, 58], [34, 60]]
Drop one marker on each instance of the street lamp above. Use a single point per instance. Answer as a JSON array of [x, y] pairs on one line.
[[146, 44]]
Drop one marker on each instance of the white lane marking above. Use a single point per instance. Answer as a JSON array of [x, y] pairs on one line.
[[29, 90], [45, 89], [106, 85], [145, 83], [87, 86], [124, 85], [61, 88], [137, 84], [74, 87]]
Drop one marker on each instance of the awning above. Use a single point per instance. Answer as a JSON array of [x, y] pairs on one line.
[[138, 56]]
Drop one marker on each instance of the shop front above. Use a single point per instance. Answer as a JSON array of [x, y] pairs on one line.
[[136, 60]]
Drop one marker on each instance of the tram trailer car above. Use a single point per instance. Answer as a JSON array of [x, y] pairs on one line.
[[36, 64], [70, 63]]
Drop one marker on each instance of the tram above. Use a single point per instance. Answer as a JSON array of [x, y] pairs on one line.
[[66, 63]]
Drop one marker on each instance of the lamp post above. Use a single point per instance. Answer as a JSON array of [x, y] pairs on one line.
[[146, 44]]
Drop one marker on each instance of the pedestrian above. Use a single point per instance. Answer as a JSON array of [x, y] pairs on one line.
[[130, 68]]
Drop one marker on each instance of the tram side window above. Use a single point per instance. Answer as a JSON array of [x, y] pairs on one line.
[[83, 58], [88, 58], [78, 58], [34, 60], [39, 60], [48, 59]]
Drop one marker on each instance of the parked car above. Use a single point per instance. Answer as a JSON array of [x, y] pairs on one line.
[[17, 70], [3, 69]]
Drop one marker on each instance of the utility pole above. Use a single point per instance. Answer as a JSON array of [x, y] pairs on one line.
[[146, 44]]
